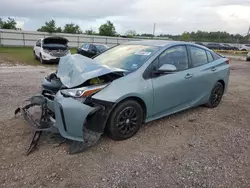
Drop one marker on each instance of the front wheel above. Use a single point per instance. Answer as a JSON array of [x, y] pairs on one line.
[[41, 59], [215, 96], [125, 120], [34, 53]]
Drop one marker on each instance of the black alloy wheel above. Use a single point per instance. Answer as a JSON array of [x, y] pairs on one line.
[[216, 95], [125, 120]]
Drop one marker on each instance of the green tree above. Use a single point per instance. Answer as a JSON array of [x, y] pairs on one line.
[[72, 28], [185, 36], [10, 23], [130, 33], [1, 23], [107, 29], [90, 32], [59, 30], [49, 27]]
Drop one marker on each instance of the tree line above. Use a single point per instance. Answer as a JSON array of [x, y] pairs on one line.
[[108, 29]]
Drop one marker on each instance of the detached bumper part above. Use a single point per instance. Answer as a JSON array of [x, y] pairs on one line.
[[43, 125], [94, 125], [82, 123]]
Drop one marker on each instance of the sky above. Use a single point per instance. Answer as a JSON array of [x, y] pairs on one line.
[[170, 16]]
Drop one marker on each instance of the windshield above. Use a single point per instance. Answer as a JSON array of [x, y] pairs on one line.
[[127, 57]]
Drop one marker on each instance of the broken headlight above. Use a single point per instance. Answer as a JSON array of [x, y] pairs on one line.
[[82, 92]]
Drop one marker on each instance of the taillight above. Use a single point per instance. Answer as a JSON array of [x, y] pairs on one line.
[[227, 61]]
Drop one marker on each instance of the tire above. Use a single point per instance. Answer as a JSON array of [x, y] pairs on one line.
[[34, 55], [125, 120], [41, 59], [215, 96]]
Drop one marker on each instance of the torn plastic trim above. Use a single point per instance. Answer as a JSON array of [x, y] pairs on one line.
[[46, 123], [94, 125]]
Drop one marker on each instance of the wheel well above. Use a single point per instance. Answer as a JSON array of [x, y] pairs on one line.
[[141, 102], [223, 83]]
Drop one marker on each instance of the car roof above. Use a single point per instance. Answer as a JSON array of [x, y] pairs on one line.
[[163, 43]]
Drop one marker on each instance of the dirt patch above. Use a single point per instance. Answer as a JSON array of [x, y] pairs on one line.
[[197, 148]]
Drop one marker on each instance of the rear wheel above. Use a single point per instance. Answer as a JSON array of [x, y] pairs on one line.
[[125, 120], [215, 96]]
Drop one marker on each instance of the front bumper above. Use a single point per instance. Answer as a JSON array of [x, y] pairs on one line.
[[56, 60], [74, 120], [47, 58]]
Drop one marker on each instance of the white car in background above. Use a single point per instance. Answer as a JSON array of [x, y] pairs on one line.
[[51, 49], [245, 47]]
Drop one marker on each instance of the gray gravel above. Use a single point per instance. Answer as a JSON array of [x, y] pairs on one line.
[[197, 148]]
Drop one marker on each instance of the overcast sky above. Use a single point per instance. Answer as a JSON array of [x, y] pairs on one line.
[[170, 16]]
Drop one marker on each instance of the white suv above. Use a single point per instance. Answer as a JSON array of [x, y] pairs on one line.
[[50, 49], [245, 47]]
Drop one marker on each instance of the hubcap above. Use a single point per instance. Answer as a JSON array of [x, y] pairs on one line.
[[216, 97], [126, 121]]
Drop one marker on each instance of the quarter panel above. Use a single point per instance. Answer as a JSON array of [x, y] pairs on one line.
[[206, 76]]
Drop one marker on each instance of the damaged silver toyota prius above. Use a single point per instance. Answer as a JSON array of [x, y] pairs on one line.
[[124, 87]]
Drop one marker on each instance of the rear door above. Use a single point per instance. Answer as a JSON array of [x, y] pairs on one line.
[[204, 73]]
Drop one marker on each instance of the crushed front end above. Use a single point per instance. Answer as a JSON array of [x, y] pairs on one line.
[[82, 121], [66, 105]]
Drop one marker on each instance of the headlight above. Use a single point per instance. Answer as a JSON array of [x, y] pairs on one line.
[[83, 91]]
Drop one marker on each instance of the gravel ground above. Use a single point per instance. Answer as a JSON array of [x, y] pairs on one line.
[[197, 148]]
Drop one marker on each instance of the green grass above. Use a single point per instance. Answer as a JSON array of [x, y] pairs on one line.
[[20, 55]]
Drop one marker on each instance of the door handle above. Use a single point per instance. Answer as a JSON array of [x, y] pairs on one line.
[[213, 69], [188, 76]]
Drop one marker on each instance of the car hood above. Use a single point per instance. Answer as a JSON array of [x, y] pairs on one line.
[[55, 40], [74, 70]]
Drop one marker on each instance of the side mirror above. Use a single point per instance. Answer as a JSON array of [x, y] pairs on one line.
[[165, 69]]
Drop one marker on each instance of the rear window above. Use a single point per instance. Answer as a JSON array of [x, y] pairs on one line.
[[217, 56], [209, 56], [198, 56]]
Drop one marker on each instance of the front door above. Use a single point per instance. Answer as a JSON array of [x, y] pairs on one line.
[[173, 91]]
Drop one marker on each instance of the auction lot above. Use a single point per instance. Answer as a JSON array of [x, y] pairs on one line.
[[196, 148]]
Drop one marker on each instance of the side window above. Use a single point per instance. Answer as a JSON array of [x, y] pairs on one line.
[[198, 56], [209, 57], [92, 47], [176, 56], [38, 43]]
